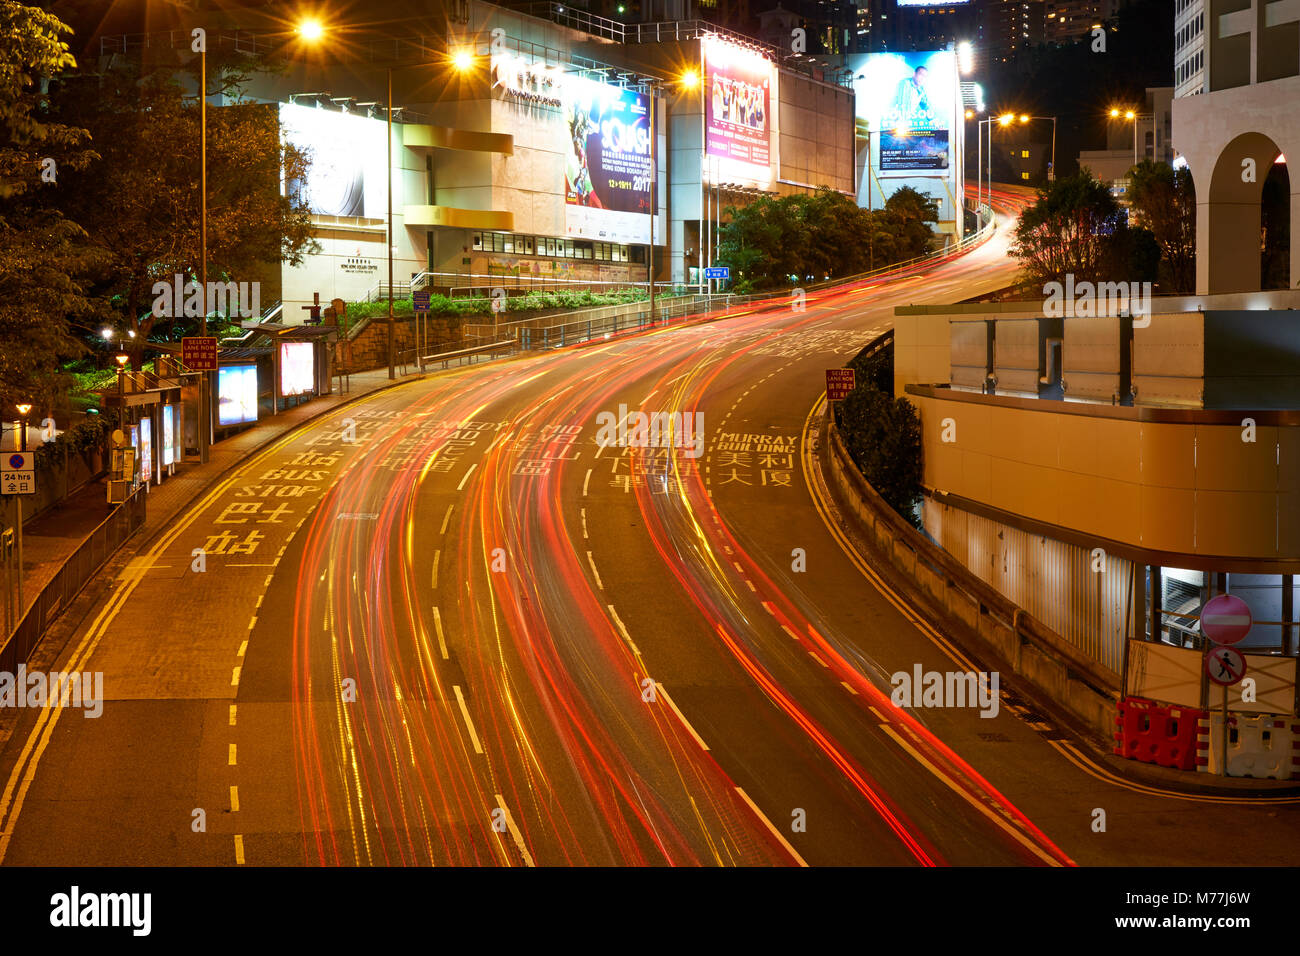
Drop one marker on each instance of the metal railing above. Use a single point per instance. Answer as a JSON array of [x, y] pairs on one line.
[[91, 555]]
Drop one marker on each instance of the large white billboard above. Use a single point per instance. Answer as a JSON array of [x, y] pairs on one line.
[[348, 175]]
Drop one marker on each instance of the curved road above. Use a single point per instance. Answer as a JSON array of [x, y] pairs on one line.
[[456, 624]]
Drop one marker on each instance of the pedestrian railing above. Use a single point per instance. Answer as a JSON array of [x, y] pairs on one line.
[[73, 575]]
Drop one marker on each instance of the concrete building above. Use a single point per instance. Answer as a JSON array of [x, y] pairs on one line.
[[1189, 47], [1068, 20], [1149, 135], [520, 151], [1008, 27], [1109, 461]]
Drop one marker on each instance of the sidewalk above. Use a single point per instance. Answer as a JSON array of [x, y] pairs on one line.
[[49, 540]]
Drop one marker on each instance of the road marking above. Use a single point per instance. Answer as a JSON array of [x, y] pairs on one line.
[[591, 561], [231, 760], [786, 628], [849, 687], [259, 600], [232, 715], [767, 606], [464, 712], [774, 831], [879, 716], [751, 585], [243, 649], [584, 483], [514, 831], [446, 518], [818, 659], [436, 556], [626, 636], [234, 799], [659, 688], [442, 643], [584, 522], [253, 623], [239, 849], [977, 804], [461, 486], [234, 677]]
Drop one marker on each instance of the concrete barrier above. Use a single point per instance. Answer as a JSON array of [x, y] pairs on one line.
[[1083, 688]]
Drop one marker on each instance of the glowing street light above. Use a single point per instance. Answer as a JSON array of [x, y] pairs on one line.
[[463, 60], [311, 30], [690, 80]]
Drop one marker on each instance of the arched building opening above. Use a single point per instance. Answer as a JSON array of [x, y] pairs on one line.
[[1233, 222], [1275, 228]]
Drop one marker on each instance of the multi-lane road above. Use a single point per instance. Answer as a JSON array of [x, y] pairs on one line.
[[447, 624]]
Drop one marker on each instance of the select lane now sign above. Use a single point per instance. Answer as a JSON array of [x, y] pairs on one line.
[[839, 383], [199, 353]]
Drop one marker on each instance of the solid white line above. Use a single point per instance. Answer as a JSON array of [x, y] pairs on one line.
[[774, 831], [591, 561], [977, 804], [446, 518], [437, 623], [464, 712], [659, 688], [461, 486], [514, 831], [626, 636]]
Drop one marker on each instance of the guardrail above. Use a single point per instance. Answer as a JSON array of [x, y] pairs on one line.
[[72, 576]]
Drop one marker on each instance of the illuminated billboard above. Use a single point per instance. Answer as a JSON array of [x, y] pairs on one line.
[[738, 105], [146, 450], [236, 394], [297, 368], [607, 161], [348, 175], [168, 434], [906, 101]]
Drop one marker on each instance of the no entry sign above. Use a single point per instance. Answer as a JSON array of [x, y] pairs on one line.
[[1225, 619], [1225, 665]]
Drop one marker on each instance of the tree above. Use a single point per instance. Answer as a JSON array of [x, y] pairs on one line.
[[907, 217], [141, 202], [883, 436], [1068, 230], [1163, 200], [42, 254]]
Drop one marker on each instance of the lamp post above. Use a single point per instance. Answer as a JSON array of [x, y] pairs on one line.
[[24, 410], [1132, 117]]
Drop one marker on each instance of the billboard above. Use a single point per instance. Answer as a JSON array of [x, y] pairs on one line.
[[607, 161], [146, 450], [236, 394], [739, 102], [168, 434], [297, 368], [348, 175], [906, 101]]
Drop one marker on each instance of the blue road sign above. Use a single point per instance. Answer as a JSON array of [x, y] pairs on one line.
[[717, 272], [421, 301]]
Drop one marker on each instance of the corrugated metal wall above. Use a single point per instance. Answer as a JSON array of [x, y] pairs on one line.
[[1052, 580]]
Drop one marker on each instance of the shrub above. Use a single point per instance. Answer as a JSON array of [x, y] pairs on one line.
[[883, 437]]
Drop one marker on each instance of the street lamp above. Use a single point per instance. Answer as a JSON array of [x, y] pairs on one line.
[[1132, 117], [689, 80], [23, 411]]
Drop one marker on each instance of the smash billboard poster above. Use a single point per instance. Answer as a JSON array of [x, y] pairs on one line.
[[738, 104], [607, 161]]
